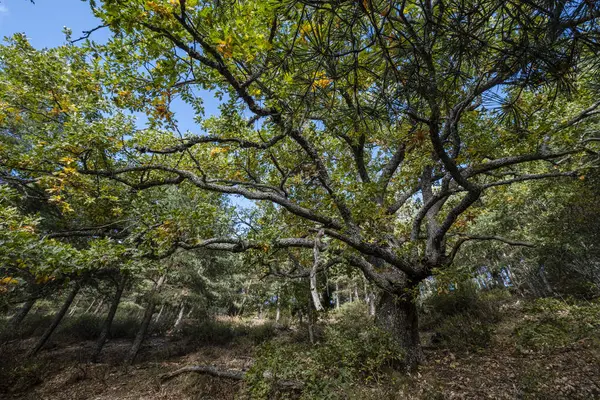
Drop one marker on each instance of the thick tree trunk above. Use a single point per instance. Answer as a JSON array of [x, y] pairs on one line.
[[16, 320], [109, 319], [57, 318], [141, 335], [398, 315]]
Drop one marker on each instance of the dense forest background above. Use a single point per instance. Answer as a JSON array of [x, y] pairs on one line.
[[395, 199]]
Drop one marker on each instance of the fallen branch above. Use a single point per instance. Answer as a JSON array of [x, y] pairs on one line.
[[230, 374]]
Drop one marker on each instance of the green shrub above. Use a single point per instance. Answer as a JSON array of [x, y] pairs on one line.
[[162, 327], [33, 325], [464, 318], [464, 331], [16, 377], [552, 323], [210, 332], [351, 352], [83, 327], [124, 326], [261, 333]]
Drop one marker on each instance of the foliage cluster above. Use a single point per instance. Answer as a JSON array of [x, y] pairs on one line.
[[552, 323], [352, 351], [463, 318]]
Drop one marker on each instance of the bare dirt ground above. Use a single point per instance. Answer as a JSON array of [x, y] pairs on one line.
[[498, 372]]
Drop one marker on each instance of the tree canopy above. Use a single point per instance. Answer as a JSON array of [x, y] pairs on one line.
[[373, 133]]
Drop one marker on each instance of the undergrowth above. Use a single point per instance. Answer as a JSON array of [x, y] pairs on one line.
[[552, 323], [352, 351]]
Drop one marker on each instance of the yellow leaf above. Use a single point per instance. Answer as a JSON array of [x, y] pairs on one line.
[[217, 150], [67, 160]]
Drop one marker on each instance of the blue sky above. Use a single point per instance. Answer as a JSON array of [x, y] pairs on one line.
[[43, 24], [43, 21]]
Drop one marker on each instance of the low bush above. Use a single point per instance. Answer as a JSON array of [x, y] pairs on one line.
[[19, 377], [351, 352], [124, 326], [33, 325], [82, 327], [551, 323], [261, 333], [209, 332], [464, 318]]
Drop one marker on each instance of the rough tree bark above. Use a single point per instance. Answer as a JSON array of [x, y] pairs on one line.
[[139, 338], [109, 318], [16, 320], [397, 314], [57, 318]]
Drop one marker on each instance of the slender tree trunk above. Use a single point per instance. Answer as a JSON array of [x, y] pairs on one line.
[[179, 317], [16, 320], [547, 286], [337, 295], [356, 297], [141, 335], [57, 318], [311, 322], [74, 308], [277, 310], [372, 305], [314, 292], [109, 319], [90, 306], [162, 307], [513, 280], [99, 306], [398, 315]]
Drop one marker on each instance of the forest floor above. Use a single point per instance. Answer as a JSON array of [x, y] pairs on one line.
[[500, 371]]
